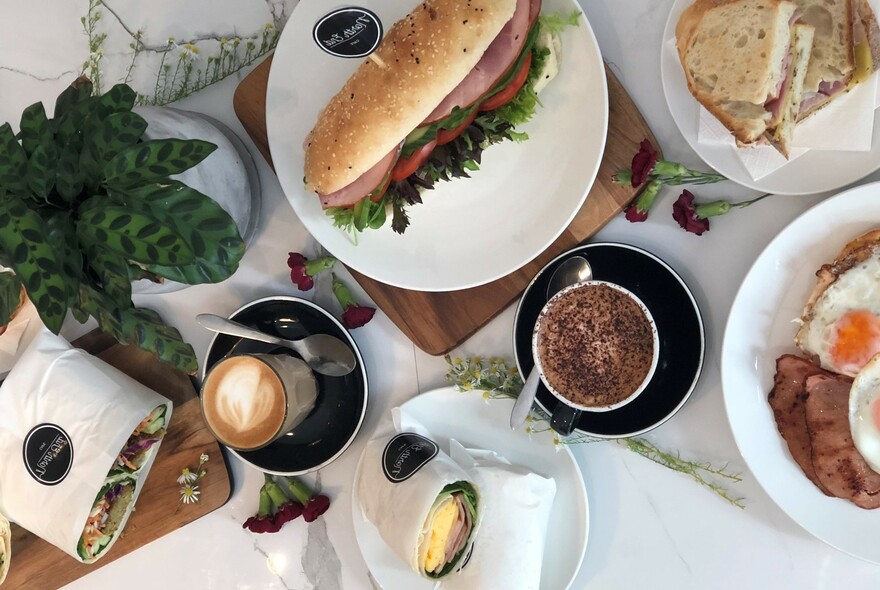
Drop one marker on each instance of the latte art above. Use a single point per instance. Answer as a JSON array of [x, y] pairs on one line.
[[244, 403], [245, 397]]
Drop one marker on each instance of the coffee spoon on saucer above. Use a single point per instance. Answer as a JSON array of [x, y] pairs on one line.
[[325, 354], [574, 270]]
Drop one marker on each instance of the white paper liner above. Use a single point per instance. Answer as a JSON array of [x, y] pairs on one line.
[[399, 510], [516, 504], [97, 406]]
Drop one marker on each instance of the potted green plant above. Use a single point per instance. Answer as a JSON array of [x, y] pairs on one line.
[[87, 206]]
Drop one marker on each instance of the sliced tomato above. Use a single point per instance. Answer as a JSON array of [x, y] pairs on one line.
[[406, 166], [444, 136], [506, 94]]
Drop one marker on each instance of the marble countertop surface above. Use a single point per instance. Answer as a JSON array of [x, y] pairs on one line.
[[650, 526]]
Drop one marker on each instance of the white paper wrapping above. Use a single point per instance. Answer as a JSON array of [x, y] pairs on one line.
[[96, 406], [509, 548], [399, 510]]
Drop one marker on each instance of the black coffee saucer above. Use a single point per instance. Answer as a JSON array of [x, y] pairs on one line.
[[679, 325], [342, 401]]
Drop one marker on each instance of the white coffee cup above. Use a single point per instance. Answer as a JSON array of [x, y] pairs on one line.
[[593, 337]]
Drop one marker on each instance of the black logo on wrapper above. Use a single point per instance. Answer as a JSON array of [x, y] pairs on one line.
[[405, 454], [48, 454], [348, 32]]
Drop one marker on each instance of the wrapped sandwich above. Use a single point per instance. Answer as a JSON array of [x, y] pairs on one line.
[[77, 439], [5, 547], [423, 504], [509, 550]]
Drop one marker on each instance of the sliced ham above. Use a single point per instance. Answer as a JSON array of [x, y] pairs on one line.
[[497, 59], [363, 186]]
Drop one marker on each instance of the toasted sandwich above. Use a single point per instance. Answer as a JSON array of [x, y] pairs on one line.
[[745, 61], [846, 49]]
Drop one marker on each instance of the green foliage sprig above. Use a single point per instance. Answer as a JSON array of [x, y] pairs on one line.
[[496, 378], [86, 206]]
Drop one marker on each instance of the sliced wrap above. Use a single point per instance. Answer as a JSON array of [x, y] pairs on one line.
[[424, 506], [66, 420]]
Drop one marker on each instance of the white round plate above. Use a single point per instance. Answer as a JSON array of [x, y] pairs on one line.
[[814, 172], [468, 231], [487, 427], [759, 330]]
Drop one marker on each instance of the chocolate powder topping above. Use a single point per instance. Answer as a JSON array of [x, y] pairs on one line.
[[595, 345]]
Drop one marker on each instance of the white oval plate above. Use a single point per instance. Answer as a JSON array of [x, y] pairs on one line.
[[760, 329], [468, 231], [487, 427], [814, 172]]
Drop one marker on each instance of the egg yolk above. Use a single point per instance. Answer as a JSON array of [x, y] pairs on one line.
[[856, 338]]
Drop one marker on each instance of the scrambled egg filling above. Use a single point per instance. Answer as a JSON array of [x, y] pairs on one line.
[[444, 520]]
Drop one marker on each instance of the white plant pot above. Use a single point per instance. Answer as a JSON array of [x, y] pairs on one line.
[[228, 175]]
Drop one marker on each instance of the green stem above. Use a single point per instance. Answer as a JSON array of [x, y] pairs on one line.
[[743, 204], [265, 503], [299, 490], [276, 494]]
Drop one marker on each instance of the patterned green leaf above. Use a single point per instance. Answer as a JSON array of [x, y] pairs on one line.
[[13, 162], [23, 236], [10, 296], [41, 168], [68, 177], [72, 95], [106, 138], [35, 129], [155, 160], [62, 235], [112, 270], [134, 234], [207, 228], [141, 327], [118, 99]]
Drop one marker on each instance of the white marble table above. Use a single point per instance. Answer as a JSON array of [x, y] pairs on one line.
[[650, 527]]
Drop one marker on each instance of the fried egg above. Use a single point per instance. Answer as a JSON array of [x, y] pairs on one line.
[[864, 412], [842, 327]]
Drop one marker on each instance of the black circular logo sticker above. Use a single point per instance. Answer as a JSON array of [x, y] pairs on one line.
[[348, 32], [405, 454], [48, 454]]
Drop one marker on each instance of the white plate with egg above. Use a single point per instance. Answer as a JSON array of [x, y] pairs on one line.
[[814, 172], [469, 231], [761, 327], [487, 427]]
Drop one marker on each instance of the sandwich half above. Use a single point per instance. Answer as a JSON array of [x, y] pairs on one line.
[[745, 62], [112, 506], [5, 547], [846, 49]]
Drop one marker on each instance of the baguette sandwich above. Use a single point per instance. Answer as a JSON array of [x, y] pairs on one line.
[[745, 61], [449, 79]]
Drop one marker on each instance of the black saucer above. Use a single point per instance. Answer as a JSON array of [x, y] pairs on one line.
[[342, 401], [679, 324]]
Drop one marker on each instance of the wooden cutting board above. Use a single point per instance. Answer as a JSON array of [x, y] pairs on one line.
[[37, 565], [438, 322]]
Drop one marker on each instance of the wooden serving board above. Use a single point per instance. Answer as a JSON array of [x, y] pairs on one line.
[[438, 322], [37, 565]]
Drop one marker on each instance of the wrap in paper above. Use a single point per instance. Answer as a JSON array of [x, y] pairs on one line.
[[509, 549], [406, 486], [65, 419]]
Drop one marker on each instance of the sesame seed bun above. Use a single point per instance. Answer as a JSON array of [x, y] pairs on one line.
[[421, 59]]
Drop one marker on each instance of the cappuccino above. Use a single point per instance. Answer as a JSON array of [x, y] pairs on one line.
[[596, 345], [251, 400]]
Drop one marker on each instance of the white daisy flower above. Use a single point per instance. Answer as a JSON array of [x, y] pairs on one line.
[[189, 494], [186, 476]]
